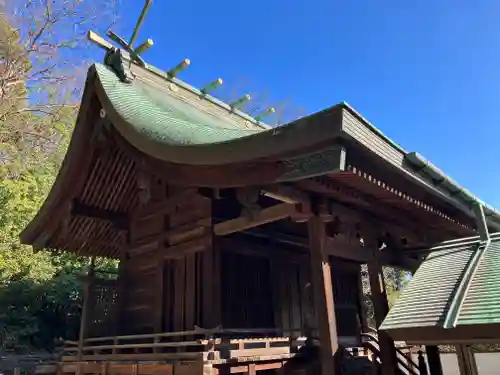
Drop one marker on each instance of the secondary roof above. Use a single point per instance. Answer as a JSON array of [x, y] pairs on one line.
[[453, 297]]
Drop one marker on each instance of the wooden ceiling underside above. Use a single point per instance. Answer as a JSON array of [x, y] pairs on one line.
[[90, 225]]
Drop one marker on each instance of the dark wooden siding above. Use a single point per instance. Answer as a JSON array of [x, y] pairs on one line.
[[345, 280], [164, 290], [246, 296], [293, 307]]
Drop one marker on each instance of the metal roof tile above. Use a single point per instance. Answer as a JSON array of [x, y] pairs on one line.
[[427, 299], [482, 302]]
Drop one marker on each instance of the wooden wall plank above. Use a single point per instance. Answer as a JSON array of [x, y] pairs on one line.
[[296, 314], [179, 293], [158, 295], [276, 294], [190, 296], [168, 296], [208, 287], [217, 285], [307, 306]]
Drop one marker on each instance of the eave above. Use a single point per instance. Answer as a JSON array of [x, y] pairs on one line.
[[360, 159]]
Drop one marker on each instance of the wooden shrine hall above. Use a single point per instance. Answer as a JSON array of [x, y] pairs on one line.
[[239, 245]]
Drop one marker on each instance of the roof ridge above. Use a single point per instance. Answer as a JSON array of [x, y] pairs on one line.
[[121, 59], [458, 298]]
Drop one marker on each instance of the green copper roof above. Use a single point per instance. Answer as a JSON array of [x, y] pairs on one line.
[[163, 117], [458, 284], [167, 122], [482, 302]]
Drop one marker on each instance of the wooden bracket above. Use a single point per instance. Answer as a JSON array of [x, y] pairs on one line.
[[288, 194], [267, 215], [248, 198], [82, 210]]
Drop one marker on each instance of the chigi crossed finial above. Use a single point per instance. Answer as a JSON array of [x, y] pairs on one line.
[[136, 52]]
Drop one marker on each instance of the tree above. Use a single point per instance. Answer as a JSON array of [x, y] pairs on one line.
[[43, 58], [285, 110]]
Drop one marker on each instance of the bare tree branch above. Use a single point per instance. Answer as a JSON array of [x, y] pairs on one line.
[[43, 56]]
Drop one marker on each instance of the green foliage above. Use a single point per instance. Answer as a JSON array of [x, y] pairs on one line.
[[40, 293], [395, 281], [34, 314], [42, 56], [20, 200], [39, 296]]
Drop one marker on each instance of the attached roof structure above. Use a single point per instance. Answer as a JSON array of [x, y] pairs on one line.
[[454, 296], [136, 117]]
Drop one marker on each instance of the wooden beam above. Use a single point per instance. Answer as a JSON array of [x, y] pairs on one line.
[[167, 205], [407, 220], [267, 215], [176, 235], [345, 251], [323, 294], [244, 245], [83, 210], [347, 213], [189, 247]]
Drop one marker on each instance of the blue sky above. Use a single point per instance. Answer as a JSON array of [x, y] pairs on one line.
[[427, 73]]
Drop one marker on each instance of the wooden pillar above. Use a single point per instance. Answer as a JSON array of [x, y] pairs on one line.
[[434, 360], [84, 319], [422, 364], [211, 283], [323, 294], [381, 309], [121, 287], [466, 360]]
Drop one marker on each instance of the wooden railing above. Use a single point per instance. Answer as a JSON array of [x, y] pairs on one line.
[[206, 345]]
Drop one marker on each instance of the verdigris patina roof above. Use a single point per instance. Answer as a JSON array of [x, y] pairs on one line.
[[454, 296], [163, 125]]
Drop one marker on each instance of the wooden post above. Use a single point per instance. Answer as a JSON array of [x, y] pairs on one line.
[[422, 365], [211, 282], [85, 307], [323, 294], [434, 360], [381, 308], [121, 290], [466, 360]]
